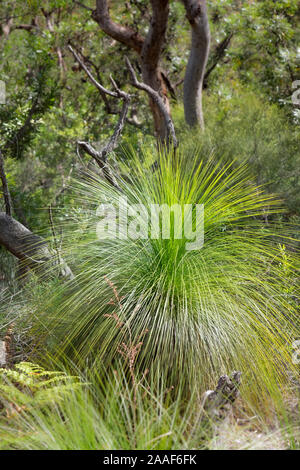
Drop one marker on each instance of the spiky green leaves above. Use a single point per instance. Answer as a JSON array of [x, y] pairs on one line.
[[205, 310]]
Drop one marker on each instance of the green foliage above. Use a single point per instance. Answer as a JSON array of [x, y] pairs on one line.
[[243, 126], [29, 384], [197, 314], [21, 115], [103, 416], [263, 52]]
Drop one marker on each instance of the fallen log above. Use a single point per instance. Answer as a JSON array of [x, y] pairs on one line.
[[31, 249]]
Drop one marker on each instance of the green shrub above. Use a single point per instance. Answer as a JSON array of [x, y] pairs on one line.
[[242, 125]]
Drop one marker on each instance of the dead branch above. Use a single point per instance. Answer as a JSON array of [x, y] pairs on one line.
[[6, 193], [82, 60], [98, 85], [21, 132], [155, 96], [101, 156], [87, 60], [82, 5], [8, 26], [217, 55]]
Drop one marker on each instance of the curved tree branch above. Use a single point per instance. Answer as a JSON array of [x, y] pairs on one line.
[[122, 34]]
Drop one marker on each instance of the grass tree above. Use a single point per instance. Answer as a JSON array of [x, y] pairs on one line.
[[198, 313]]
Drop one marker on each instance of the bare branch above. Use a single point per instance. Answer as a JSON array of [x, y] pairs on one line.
[[6, 193], [158, 100], [217, 56], [100, 156], [9, 26], [25, 27], [87, 60], [98, 85], [109, 109], [82, 5]]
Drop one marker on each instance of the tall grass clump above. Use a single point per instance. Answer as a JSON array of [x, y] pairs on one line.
[[198, 313], [92, 414]]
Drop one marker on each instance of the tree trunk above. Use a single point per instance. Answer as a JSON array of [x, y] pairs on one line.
[[150, 54], [196, 13], [148, 49], [153, 78]]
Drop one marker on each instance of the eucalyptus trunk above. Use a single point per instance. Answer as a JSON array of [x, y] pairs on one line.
[[196, 12]]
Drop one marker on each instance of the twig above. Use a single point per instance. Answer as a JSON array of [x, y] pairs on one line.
[[98, 85], [159, 102], [101, 161], [109, 109]]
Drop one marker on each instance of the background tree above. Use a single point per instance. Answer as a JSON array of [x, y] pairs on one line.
[[149, 49]]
